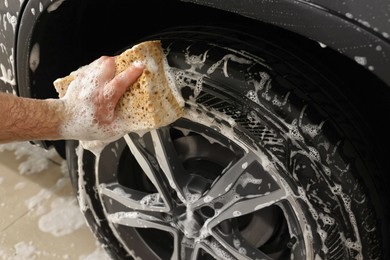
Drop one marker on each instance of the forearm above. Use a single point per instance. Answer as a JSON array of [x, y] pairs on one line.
[[25, 119], [86, 112]]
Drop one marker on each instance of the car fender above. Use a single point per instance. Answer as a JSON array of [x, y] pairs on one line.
[[359, 30], [10, 11]]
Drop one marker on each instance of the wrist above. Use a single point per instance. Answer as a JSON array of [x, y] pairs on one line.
[[78, 121], [57, 110]]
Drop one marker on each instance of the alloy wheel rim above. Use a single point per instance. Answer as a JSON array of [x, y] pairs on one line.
[[208, 195]]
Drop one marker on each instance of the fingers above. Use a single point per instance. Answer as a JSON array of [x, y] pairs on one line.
[[115, 89], [106, 67], [109, 95]]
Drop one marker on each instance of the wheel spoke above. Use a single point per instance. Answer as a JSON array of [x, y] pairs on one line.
[[131, 198], [214, 248], [149, 166], [244, 182], [139, 219], [231, 176], [186, 249], [168, 161]]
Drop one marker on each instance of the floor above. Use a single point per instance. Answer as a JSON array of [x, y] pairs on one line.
[[39, 216]]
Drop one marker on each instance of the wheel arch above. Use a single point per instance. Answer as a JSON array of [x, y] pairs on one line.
[[56, 37]]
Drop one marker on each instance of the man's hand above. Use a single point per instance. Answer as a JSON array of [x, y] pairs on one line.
[[92, 97], [106, 91]]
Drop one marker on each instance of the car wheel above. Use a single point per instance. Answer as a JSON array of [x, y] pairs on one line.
[[264, 165]]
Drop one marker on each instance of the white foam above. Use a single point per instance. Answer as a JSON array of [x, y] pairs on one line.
[[98, 254], [13, 20], [36, 202], [54, 6], [63, 219], [170, 76], [361, 60], [349, 15], [20, 185], [322, 45], [36, 160], [24, 251], [237, 213]]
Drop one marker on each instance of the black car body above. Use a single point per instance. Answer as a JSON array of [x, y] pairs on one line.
[[330, 55]]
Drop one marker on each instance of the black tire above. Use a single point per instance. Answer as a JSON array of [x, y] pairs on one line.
[[271, 159]]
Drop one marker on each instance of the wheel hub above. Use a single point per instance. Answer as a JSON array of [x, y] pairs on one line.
[[188, 220]]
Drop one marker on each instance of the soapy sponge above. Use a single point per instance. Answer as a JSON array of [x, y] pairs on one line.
[[153, 100]]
